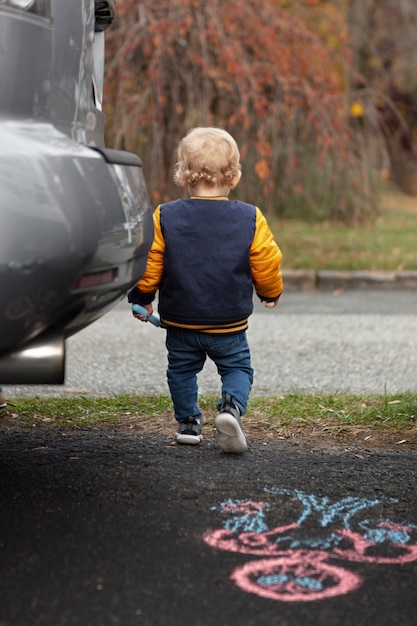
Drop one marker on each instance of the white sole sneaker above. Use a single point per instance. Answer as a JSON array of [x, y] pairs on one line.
[[188, 439], [230, 437], [3, 403], [189, 432]]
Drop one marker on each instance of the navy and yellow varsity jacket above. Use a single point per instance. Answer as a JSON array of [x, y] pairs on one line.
[[207, 256]]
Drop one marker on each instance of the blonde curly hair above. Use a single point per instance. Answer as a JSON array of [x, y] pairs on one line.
[[206, 155]]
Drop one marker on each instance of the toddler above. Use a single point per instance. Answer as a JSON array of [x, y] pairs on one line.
[[208, 255]]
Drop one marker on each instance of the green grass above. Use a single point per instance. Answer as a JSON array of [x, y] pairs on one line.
[[339, 409], [388, 244], [86, 411], [292, 414]]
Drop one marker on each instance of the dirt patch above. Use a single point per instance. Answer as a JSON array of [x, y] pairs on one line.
[[317, 435]]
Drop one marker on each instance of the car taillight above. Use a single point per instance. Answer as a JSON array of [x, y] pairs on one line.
[[42, 8], [86, 281]]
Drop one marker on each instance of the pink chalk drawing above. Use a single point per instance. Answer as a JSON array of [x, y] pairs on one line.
[[300, 576], [295, 565]]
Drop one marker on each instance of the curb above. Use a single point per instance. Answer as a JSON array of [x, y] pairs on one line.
[[327, 280]]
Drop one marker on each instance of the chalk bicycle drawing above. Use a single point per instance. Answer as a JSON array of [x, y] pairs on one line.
[[296, 567]]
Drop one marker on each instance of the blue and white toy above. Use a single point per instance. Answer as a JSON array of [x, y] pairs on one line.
[[140, 310]]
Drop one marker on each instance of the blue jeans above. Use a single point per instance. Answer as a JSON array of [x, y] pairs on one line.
[[187, 352]]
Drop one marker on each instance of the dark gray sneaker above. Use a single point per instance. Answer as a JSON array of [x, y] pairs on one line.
[[189, 431], [231, 437]]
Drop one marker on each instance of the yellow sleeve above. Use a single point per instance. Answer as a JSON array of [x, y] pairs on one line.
[[149, 283], [265, 259]]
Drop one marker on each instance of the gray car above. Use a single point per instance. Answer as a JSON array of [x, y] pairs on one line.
[[75, 216]]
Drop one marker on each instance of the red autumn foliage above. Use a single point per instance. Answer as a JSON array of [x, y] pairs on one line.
[[247, 66]]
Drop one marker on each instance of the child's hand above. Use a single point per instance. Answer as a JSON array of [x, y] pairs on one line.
[[143, 318], [271, 305], [146, 314]]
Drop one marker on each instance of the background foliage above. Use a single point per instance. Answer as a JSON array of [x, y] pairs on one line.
[[294, 82]]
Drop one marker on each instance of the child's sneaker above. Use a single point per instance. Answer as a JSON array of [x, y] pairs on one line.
[[3, 403], [189, 431], [231, 437]]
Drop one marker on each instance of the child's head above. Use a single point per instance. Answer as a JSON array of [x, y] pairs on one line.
[[209, 156]]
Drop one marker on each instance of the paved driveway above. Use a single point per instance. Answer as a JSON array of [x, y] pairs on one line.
[[358, 341]]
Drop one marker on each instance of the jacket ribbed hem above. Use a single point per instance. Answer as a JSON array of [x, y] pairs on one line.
[[219, 329]]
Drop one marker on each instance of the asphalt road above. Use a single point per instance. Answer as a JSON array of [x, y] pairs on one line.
[[112, 528], [355, 341]]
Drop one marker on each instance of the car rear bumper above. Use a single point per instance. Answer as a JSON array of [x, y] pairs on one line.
[[76, 227]]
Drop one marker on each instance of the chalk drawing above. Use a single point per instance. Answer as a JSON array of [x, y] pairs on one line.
[[295, 566]]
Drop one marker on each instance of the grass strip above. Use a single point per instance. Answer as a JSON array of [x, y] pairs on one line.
[[386, 244], [270, 417]]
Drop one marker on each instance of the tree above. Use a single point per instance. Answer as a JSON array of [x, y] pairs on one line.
[[252, 68], [384, 59]]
